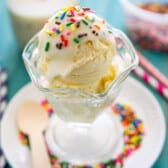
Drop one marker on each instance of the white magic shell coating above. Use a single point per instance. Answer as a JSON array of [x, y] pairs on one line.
[[76, 47]]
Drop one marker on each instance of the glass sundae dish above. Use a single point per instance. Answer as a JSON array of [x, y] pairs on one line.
[[80, 63]]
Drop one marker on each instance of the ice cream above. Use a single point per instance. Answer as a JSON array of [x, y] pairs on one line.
[[77, 49]]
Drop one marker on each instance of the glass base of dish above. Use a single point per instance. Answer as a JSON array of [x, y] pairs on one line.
[[81, 143]]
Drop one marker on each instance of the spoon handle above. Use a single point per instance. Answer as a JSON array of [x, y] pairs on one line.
[[40, 156]]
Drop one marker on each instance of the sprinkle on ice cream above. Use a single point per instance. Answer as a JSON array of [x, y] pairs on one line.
[[76, 50]]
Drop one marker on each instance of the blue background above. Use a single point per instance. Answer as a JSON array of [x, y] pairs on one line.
[[10, 56]]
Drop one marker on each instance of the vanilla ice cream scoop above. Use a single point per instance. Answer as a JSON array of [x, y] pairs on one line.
[[76, 49]]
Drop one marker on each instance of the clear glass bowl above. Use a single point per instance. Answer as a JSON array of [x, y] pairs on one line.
[[149, 29], [73, 134]]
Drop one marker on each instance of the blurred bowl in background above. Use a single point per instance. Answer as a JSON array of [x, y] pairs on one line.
[[28, 16], [147, 22]]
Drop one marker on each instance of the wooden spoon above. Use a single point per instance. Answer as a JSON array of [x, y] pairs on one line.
[[32, 119]]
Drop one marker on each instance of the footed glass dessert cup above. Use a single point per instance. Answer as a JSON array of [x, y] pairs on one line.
[[82, 128]]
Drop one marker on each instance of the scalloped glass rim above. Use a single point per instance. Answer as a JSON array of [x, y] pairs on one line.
[[120, 78]]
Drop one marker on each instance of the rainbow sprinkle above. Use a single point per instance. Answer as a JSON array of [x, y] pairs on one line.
[[68, 33], [70, 19], [82, 35], [58, 31], [132, 136], [58, 23], [72, 13], [97, 27], [76, 40], [47, 46], [84, 22], [63, 15], [69, 24], [59, 46]]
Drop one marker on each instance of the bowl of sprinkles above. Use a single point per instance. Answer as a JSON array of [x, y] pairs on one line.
[[147, 22]]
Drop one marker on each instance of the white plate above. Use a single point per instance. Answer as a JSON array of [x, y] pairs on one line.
[[133, 93]]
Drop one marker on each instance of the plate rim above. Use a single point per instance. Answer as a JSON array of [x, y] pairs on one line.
[[133, 80]]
